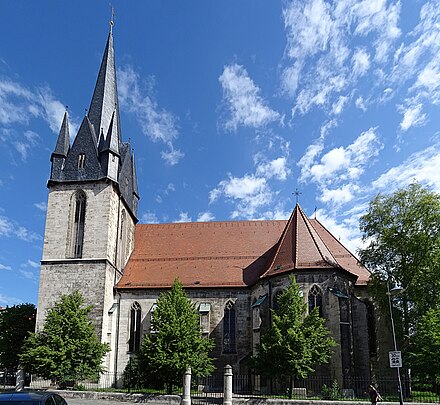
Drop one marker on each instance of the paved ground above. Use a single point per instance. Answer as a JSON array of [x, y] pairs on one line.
[[80, 401]]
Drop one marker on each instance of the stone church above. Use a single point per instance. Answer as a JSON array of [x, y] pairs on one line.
[[232, 270]]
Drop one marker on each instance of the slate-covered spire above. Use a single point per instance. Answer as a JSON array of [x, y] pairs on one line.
[[105, 97], [61, 150]]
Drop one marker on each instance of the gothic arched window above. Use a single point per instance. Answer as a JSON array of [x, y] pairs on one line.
[[134, 342], [229, 328], [79, 217], [315, 299]]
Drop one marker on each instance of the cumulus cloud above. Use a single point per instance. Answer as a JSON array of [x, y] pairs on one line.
[[412, 116], [322, 58], [344, 163], [9, 228], [183, 217], [243, 100], [5, 267], [149, 218], [157, 123], [205, 217], [422, 166], [276, 168]]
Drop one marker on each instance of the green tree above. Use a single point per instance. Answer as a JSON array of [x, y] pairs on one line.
[[295, 342], [15, 324], [67, 349], [425, 347], [177, 342], [402, 235]]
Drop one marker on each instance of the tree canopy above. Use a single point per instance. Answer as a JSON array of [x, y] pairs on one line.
[[402, 236], [176, 341], [67, 349], [296, 341], [16, 323]]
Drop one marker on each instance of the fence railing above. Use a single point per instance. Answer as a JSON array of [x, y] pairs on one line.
[[313, 387]]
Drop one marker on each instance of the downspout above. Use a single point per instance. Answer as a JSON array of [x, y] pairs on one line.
[[117, 338]]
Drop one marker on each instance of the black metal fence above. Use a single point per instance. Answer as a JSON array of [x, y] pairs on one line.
[[210, 389]]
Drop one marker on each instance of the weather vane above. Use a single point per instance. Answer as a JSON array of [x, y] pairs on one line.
[[297, 193]]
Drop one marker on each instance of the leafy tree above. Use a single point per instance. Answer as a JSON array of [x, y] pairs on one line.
[[295, 342], [177, 342], [67, 349], [15, 324], [402, 235], [425, 347]]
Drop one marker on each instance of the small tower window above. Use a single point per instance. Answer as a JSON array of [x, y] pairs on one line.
[[315, 299], [81, 160], [135, 328], [229, 328], [78, 224], [204, 310]]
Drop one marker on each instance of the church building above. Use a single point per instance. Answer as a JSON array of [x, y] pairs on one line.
[[232, 270]]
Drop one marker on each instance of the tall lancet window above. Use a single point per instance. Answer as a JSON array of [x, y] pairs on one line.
[[135, 328], [229, 328], [315, 299], [79, 218]]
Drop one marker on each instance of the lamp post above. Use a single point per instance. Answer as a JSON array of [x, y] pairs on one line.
[[395, 289]]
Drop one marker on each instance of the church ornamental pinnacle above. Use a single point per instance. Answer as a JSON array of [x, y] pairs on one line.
[[232, 270]]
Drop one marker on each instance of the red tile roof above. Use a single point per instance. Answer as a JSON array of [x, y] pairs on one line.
[[231, 254]]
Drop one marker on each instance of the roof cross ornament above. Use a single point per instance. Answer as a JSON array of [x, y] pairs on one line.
[[297, 193], [112, 22]]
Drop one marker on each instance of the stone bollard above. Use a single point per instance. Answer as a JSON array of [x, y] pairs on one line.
[[187, 387], [227, 395], [19, 382]]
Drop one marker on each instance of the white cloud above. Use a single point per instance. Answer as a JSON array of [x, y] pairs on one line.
[[339, 105], [4, 267], [242, 98], [31, 263], [205, 217], [155, 122], [361, 62], [340, 195], [29, 141], [322, 55], [183, 217], [42, 206], [9, 228], [412, 116], [422, 166], [276, 168], [149, 218], [9, 301], [360, 103], [346, 163]]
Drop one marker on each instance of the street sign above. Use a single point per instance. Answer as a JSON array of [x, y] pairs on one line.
[[395, 359]]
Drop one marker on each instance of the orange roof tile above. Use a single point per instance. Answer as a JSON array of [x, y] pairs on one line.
[[231, 254]]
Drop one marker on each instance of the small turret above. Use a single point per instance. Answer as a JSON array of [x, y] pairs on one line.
[[61, 150]]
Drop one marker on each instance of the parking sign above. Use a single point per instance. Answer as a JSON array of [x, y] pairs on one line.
[[395, 359]]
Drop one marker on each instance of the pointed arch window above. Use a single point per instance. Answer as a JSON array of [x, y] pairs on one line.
[[134, 342], [79, 217], [229, 329], [315, 299]]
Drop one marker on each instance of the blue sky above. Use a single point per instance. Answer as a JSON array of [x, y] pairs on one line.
[[230, 106]]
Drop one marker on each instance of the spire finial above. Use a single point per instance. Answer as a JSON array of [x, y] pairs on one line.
[[297, 193], [112, 22]]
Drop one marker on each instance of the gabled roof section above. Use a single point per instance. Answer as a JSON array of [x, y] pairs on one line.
[[300, 247], [200, 254], [105, 97], [111, 141], [63, 143], [85, 144]]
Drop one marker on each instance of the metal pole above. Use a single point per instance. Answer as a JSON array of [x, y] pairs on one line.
[[395, 344]]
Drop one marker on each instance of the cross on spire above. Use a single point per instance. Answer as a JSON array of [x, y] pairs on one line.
[[297, 193]]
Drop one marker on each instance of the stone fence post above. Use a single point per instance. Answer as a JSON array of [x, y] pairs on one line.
[[227, 394], [187, 387]]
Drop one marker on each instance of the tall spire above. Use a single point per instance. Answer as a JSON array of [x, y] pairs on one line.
[[63, 143], [105, 96]]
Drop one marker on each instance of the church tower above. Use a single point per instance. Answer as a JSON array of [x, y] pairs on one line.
[[92, 208]]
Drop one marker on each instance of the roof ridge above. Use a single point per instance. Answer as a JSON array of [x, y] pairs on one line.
[[315, 236]]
